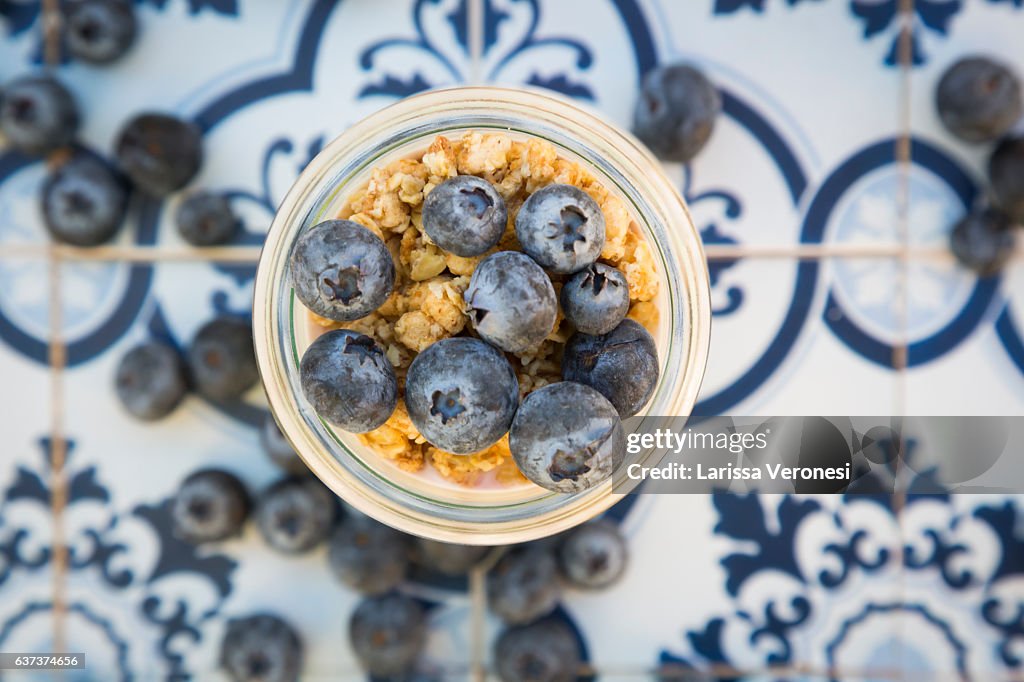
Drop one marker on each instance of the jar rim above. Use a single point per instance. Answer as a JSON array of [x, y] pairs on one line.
[[365, 143]]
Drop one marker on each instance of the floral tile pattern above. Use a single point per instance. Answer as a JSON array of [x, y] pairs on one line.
[[827, 160]]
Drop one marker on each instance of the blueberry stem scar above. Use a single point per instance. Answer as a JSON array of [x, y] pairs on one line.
[[447, 404]]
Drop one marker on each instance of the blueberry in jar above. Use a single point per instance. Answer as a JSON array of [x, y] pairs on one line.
[[567, 437], [596, 299], [511, 302], [461, 394], [341, 270], [561, 227], [464, 215], [349, 381]]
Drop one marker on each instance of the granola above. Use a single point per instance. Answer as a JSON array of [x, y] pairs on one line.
[[427, 304]]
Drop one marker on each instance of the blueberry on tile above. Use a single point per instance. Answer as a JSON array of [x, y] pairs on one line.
[[349, 381], [1006, 174], [342, 271], [261, 648], [387, 634], [279, 449], [567, 437], [159, 153], [983, 241], [84, 201], [295, 515], [979, 99], [545, 651], [99, 31], [38, 114], [622, 365], [368, 556], [150, 381], [511, 302], [210, 505], [524, 585], [206, 219], [596, 299], [464, 215], [461, 394], [561, 227], [449, 558], [676, 111], [221, 358], [594, 555]]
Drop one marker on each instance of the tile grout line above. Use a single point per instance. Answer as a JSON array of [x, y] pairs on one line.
[[475, 37], [51, 25]]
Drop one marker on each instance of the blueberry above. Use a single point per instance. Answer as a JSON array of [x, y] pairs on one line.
[[524, 585], [511, 302], [983, 241], [222, 360], [159, 153], [593, 555], [449, 558], [545, 651], [465, 215], [99, 31], [561, 228], [295, 515], [461, 394], [567, 437], [596, 299], [387, 634], [150, 380], [368, 556], [210, 505], [279, 449], [622, 365], [341, 270], [261, 648], [676, 111], [84, 201], [978, 99], [348, 380], [38, 115], [1006, 173], [206, 219]]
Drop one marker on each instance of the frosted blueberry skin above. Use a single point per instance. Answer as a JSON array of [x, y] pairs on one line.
[[511, 302], [159, 153], [983, 241], [561, 228], [150, 381], [221, 358], [99, 31], [38, 115], [676, 112], [341, 270], [295, 515], [465, 215], [978, 99], [210, 505], [84, 201], [261, 648], [621, 365], [1006, 174], [524, 585], [368, 556], [387, 635], [596, 299], [546, 651], [349, 381], [594, 555], [567, 437], [461, 394]]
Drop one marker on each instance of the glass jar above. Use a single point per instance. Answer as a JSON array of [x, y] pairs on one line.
[[423, 503]]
